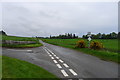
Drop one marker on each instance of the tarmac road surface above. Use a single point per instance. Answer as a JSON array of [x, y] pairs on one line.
[[64, 62]]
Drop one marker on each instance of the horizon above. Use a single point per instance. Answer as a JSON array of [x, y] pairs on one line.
[[58, 34]]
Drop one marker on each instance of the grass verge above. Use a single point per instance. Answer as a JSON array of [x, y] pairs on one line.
[[14, 68], [15, 38], [0, 66], [102, 54], [22, 45]]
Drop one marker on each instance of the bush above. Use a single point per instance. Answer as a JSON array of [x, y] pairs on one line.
[[96, 45], [44, 40], [80, 44]]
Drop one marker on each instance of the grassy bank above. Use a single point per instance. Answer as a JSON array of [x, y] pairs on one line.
[[22, 45], [109, 54], [15, 38], [14, 68], [0, 66]]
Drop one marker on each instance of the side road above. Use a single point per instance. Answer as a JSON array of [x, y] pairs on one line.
[[65, 63]]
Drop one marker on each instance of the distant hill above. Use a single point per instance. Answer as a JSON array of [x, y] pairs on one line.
[[2, 33]]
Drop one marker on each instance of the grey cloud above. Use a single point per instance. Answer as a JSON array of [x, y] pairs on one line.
[[44, 19]]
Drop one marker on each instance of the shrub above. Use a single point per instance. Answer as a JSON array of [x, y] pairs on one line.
[[80, 44], [44, 40], [96, 45]]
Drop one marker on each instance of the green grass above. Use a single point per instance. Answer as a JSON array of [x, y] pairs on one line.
[[15, 38], [111, 44], [109, 54], [22, 45], [0, 66], [14, 68]]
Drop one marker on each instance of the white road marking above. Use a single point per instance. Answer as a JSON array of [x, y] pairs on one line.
[[59, 66], [64, 73], [50, 51], [55, 61], [73, 72], [61, 61], [43, 48], [52, 57], [66, 65], [18, 50], [57, 57], [46, 51], [29, 50]]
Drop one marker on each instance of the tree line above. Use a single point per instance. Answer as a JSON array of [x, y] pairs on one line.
[[64, 36], [112, 35]]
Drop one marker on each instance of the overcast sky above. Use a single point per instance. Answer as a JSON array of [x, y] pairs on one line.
[[53, 18]]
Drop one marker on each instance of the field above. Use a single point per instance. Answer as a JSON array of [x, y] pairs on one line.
[[14, 68], [110, 51], [0, 66], [14, 38]]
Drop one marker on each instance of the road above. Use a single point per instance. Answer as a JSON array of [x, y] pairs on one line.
[[64, 62]]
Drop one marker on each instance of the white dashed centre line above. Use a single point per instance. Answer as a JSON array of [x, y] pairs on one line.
[[50, 51], [59, 66], [73, 72], [64, 73], [52, 57], [55, 61], [46, 51], [61, 61], [57, 57], [66, 65]]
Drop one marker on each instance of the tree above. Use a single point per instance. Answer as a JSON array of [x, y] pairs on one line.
[[118, 36], [113, 35], [74, 36], [103, 36], [99, 36], [84, 36], [65, 36], [2, 33]]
